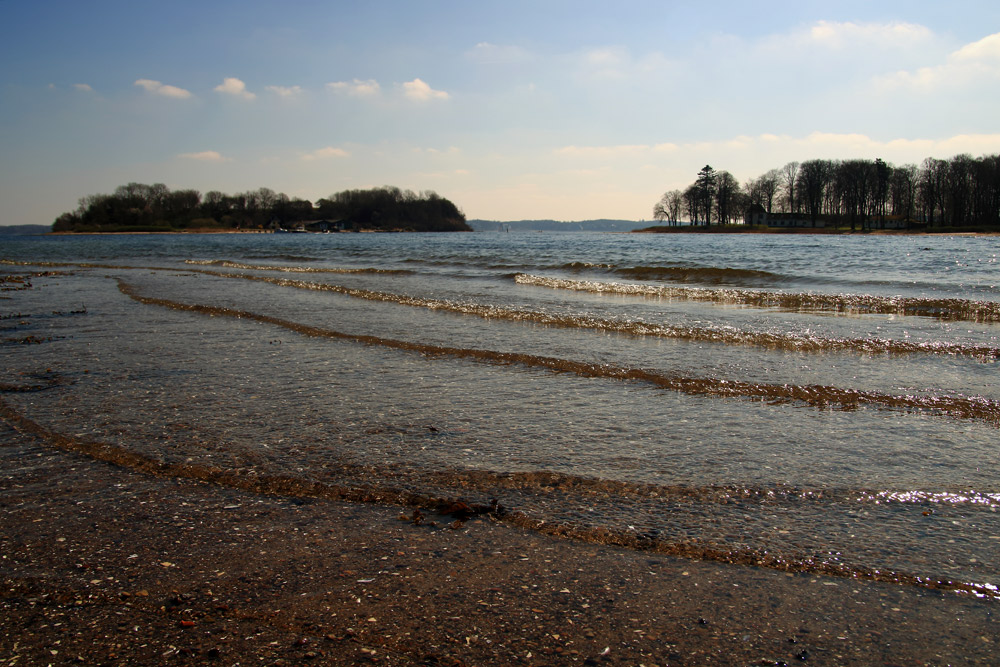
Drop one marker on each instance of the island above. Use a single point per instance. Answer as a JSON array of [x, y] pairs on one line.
[[137, 207]]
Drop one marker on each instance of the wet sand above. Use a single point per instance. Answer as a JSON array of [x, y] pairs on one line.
[[105, 565]]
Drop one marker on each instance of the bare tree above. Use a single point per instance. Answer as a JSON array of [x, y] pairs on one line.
[[813, 178], [903, 191], [789, 174], [933, 174], [727, 189], [668, 209], [692, 202]]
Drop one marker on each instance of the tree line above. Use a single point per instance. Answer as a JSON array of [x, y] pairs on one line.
[[961, 192], [139, 207]]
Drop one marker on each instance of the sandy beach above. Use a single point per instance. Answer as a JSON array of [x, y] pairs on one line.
[[103, 565]]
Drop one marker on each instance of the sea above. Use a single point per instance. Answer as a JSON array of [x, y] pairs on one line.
[[807, 403]]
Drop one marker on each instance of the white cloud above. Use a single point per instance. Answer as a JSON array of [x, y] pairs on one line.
[[972, 64], [82, 87], [158, 88], [986, 50], [233, 86], [326, 153], [421, 92], [356, 88], [285, 91], [204, 156]]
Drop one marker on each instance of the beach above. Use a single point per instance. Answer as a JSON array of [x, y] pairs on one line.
[[103, 565]]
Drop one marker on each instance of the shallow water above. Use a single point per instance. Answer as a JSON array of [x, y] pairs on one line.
[[809, 403]]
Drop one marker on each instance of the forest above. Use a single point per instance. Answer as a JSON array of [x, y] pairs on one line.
[[137, 207], [963, 192]]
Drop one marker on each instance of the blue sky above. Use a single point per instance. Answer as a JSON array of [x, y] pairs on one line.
[[563, 110]]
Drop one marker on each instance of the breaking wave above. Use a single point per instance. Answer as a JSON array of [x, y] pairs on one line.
[[229, 264], [944, 309], [701, 274]]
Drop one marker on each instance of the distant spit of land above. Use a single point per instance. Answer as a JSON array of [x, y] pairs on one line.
[[25, 230]]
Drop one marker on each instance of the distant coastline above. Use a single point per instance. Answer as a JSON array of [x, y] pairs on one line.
[[607, 226]]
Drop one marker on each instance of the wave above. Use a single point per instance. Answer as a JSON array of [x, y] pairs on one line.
[[378, 487], [701, 274], [229, 264], [583, 266], [817, 396], [726, 336], [943, 309], [283, 257]]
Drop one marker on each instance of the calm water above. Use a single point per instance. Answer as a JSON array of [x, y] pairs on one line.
[[805, 402]]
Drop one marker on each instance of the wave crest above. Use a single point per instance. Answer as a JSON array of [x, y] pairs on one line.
[[943, 309]]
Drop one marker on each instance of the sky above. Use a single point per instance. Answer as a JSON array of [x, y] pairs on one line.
[[565, 110]]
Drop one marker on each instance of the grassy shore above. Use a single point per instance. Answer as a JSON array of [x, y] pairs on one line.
[[103, 565]]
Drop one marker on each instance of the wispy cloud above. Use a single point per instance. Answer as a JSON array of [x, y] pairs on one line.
[[83, 87], [421, 92], [326, 153], [285, 91], [851, 35], [233, 86], [493, 54], [746, 150], [610, 64], [204, 156], [157, 88], [605, 152], [357, 87]]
